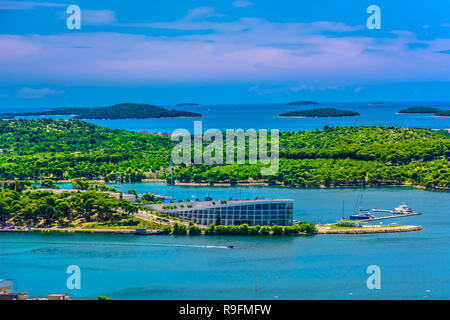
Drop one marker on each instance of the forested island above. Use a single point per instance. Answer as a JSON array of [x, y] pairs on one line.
[[117, 111], [323, 112], [187, 104], [420, 109], [62, 150], [443, 113], [301, 103]]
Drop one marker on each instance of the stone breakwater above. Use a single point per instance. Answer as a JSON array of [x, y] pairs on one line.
[[325, 230]]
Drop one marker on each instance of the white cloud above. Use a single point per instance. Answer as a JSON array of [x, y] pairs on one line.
[[27, 5], [31, 93], [247, 50], [201, 13], [358, 89], [98, 17], [242, 4]]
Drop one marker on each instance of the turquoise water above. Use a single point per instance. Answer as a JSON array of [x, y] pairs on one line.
[[265, 116], [200, 267]]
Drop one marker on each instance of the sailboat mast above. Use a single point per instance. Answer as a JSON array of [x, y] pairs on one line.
[[359, 198], [171, 175]]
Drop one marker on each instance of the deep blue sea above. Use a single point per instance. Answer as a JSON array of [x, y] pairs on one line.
[[413, 265], [265, 116]]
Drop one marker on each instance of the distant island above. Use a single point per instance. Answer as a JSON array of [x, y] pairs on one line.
[[324, 112], [117, 111], [443, 113], [301, 103], [376, 102], [187, 104], [420, 109]]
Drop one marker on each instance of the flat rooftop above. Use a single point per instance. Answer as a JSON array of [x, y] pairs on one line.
[[209, 204]]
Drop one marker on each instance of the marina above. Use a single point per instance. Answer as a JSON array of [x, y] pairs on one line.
[[398, 212]]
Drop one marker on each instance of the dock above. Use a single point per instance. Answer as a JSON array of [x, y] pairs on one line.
[[392, 217], [161, 196]]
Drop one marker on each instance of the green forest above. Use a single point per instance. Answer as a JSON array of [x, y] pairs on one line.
[[45, 208], [334, 156]]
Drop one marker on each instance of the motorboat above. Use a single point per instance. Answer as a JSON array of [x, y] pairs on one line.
[[402, 209]]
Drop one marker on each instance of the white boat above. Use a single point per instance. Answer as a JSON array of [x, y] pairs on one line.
[[402, 209]]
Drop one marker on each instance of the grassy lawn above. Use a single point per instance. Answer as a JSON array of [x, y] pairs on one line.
[[130, 224]]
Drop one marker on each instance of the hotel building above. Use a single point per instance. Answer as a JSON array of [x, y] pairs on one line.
[[232, 212]]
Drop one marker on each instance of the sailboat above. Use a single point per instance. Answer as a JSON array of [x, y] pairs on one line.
[[363, 214]]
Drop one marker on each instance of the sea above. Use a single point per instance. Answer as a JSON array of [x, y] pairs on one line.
[[413, 265], [265, 116]]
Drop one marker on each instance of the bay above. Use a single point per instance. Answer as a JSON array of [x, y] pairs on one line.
[[201, 267]]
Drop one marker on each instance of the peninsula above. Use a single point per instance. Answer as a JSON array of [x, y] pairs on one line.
[[324, 112], [117, 111]]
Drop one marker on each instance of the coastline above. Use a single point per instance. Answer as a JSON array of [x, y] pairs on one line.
[[72, 230], [320, 230], [315, 116], [262, 184]]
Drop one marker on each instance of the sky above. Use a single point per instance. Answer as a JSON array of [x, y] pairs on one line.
[[222, 52]]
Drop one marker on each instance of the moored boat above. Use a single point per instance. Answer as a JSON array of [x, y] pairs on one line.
[[144, 232], [402, 209], [361, 216]]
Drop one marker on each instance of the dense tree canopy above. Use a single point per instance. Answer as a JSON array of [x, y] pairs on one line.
[[68, 149], [50, 208]]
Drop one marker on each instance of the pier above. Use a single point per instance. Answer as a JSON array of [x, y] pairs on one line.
[[391, 217]]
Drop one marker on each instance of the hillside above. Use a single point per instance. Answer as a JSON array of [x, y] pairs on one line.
[[340, 156]]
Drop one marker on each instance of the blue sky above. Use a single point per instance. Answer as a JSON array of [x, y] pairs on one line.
[[240, 51]]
